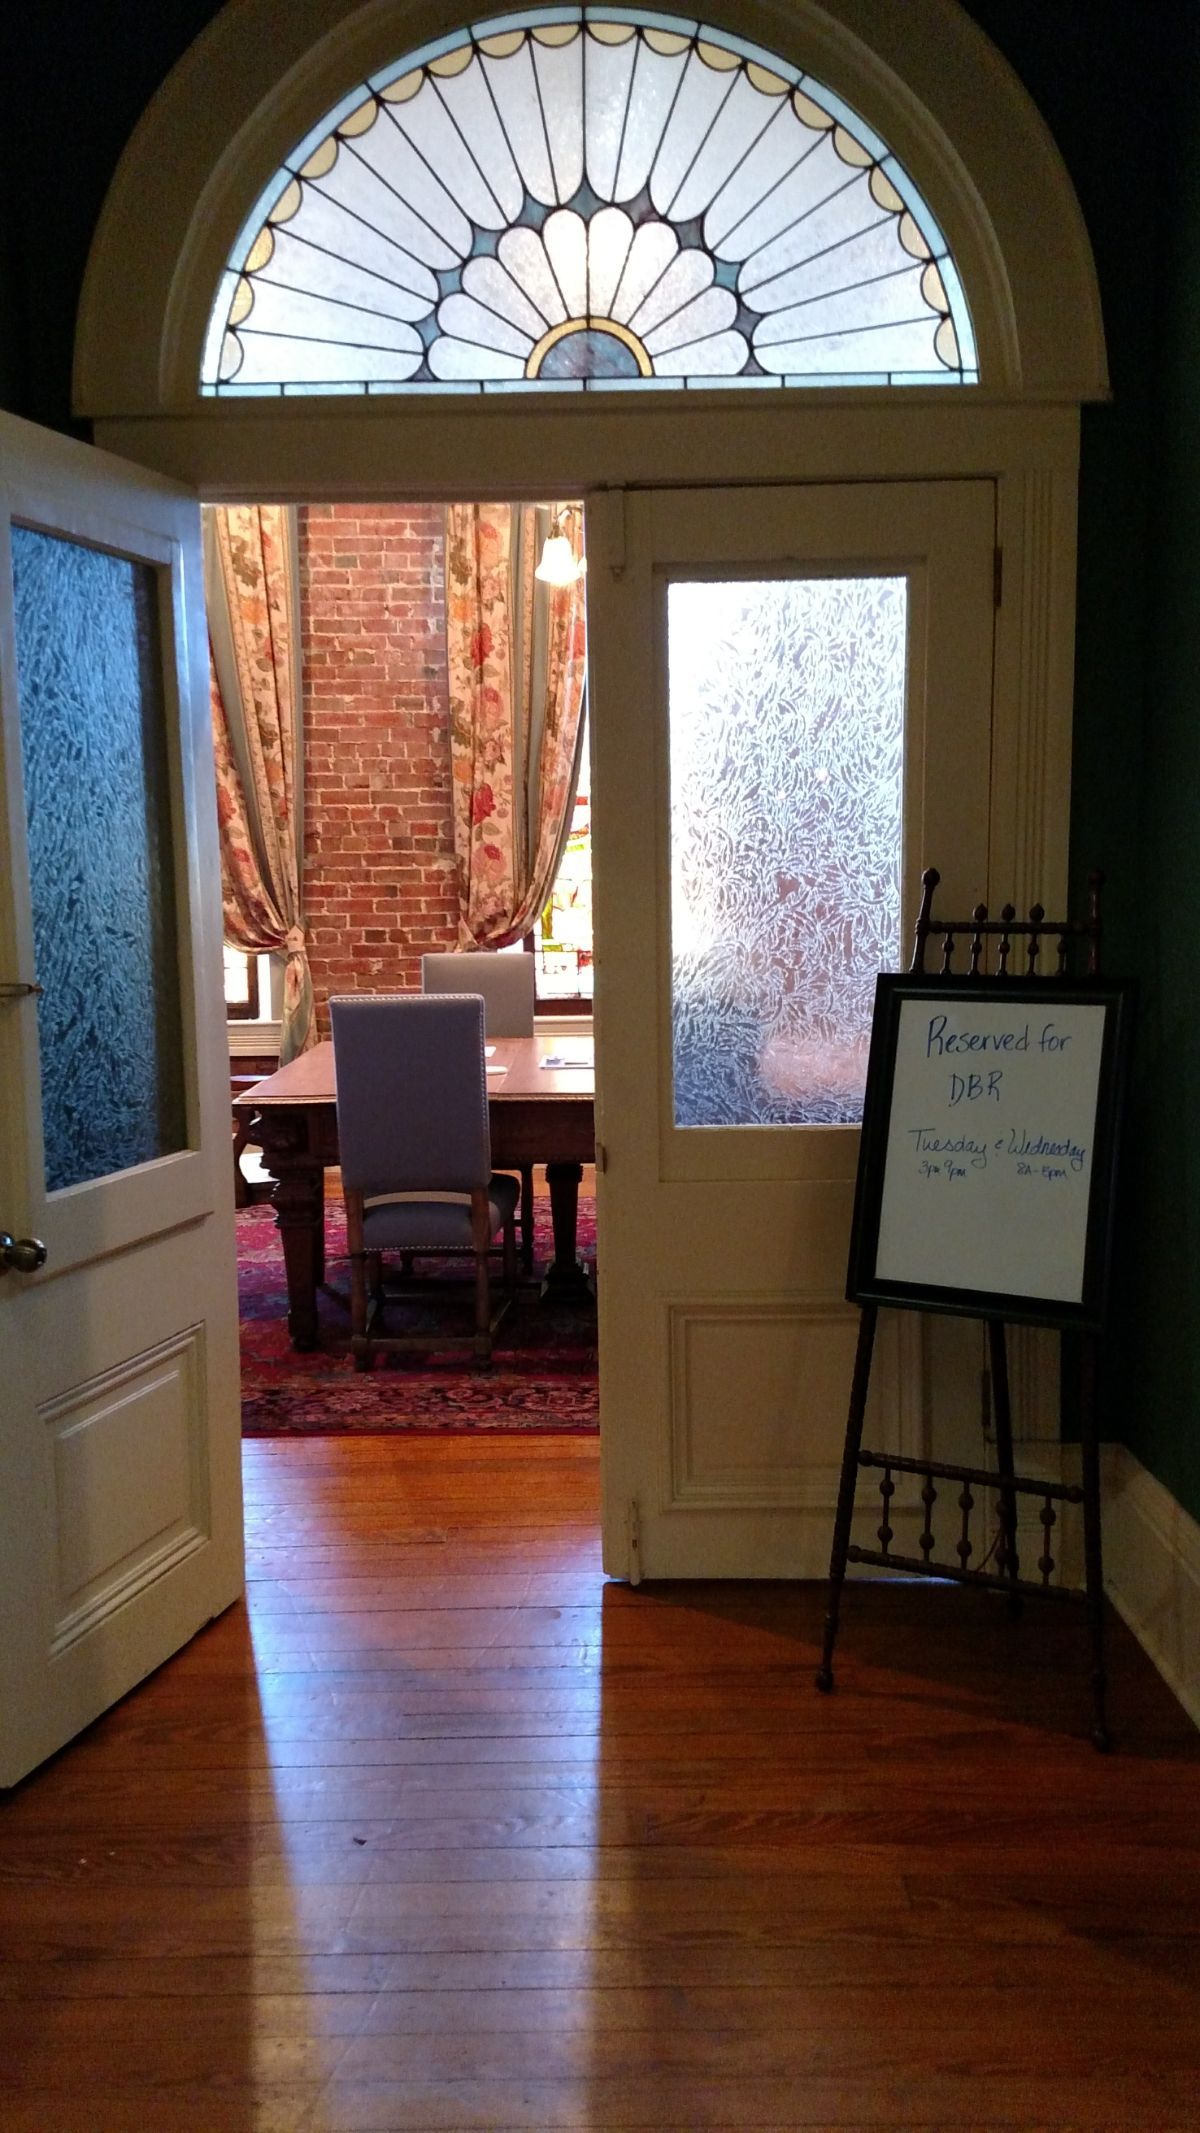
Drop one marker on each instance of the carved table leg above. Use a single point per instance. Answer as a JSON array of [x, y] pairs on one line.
[[241, 1129], [565, 1275], [299, 1203]]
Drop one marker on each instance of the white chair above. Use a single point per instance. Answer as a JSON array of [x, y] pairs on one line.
[[506, 984], [414, 1145]]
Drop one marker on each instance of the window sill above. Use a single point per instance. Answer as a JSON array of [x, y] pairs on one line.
[[551, 1025], [246, 1038]]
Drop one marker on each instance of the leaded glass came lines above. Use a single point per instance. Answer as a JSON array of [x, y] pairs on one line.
[[583, 199]]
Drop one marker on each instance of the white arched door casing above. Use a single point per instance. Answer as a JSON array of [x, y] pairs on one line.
[[923, 76], [261, 77]]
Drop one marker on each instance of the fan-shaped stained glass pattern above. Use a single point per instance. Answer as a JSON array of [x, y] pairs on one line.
[[590, 197]]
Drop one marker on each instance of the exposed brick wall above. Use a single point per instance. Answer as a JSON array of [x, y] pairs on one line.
[[378, 845]]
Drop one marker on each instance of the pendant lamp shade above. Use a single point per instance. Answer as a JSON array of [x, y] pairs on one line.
[[559, 565]]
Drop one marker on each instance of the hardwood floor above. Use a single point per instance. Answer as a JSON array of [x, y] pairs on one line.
[[443, 1832]]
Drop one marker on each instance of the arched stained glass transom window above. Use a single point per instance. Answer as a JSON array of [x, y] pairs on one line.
[[582, 198]]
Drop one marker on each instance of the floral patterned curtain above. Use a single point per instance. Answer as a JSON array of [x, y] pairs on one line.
[[516, 696], [250, 587]]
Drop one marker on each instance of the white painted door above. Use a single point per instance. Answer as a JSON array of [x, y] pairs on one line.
[[792, 700], [120, 1505]]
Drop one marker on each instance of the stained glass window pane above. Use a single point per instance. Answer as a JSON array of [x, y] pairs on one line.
[[588, 196], [786, 713], [563, 940], [101, 860]]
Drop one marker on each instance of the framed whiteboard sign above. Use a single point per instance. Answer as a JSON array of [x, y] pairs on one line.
[[989, 1147]]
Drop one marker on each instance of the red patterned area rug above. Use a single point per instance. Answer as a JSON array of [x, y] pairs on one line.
[[543, 1373]]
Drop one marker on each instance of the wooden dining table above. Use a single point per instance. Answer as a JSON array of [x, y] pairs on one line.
[[541, 1105]]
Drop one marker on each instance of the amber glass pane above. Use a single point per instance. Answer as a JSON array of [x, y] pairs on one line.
[[786, 748], [98, 816]]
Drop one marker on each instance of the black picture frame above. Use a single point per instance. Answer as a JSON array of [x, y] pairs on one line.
[[1029, 1195]]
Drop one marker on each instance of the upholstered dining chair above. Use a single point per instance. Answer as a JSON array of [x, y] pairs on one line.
[[507, 985], [415, 1152]]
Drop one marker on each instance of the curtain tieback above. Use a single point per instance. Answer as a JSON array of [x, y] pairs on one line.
[[295, 941]]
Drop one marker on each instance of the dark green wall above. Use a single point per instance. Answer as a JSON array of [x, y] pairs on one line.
[[1137, 721], [1076, 58], [1162, 1375], [75, 77], [1119, 86]]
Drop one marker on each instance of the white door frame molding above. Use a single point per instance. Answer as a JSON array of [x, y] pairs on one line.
[[930, 83]]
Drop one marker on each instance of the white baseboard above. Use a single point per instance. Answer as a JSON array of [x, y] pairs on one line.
[[1152, 1571]]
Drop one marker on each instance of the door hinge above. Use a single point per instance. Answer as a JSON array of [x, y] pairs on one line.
[[997, 576], [633, 1532], [608, 506], [601, 1156]]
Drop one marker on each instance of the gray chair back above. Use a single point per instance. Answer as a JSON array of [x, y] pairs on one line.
[[411, 1093], [506, 982]]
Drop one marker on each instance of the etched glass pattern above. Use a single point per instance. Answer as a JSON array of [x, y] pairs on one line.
[[97, 810], [786, 754], [575, 198]]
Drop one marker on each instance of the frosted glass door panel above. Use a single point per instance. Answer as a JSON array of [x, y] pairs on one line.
[[786, 714], [101, 857]]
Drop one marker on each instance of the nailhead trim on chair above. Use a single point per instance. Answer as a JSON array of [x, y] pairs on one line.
[[481, 1343], [434, 999]]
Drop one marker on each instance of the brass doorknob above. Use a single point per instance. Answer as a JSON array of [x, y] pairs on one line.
[[23, 1254]]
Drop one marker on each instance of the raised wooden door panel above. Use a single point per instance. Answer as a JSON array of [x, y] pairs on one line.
[[792, 698], [120, 1509]]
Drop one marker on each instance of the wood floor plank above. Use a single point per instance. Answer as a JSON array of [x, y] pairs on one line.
[[441, 1830], [704, 2053], [761, 2013], [1142, 2103]]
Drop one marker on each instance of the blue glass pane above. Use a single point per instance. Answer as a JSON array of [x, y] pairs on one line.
[[97, 805]]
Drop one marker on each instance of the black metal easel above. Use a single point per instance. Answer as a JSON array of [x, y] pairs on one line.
[[1006, 1577]]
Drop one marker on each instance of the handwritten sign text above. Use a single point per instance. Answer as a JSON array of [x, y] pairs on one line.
[[990, 1145]]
